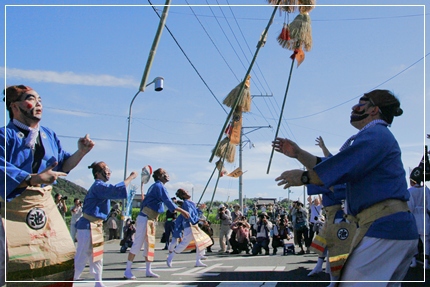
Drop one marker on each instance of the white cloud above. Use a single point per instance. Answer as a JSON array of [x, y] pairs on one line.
[[69, 78]]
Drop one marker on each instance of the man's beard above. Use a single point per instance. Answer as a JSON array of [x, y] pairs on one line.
[[358, 116], [29, 115]]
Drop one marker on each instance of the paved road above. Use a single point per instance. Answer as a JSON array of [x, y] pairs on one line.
[[222, 270]]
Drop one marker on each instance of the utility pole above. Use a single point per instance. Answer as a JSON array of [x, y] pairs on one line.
[[241, 145], [304, 191], [289, 191]]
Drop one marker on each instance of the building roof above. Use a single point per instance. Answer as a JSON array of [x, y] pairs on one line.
[[266, 201]]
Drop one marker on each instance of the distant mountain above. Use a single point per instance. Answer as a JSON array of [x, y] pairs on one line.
[[69, 189]]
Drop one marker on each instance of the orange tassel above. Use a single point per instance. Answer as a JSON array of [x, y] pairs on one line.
[[285, 33], [284, 36]]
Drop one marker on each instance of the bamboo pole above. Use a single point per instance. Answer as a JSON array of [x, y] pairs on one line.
[[233, 108]]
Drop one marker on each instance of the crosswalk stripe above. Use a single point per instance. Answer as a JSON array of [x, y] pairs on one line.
[[255, 268]]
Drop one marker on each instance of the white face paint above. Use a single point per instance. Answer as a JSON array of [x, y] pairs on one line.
[[30, 105], [359, 110]]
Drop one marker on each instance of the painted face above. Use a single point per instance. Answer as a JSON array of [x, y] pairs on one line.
[[186, 195], [164, 176], [106, 172], [30, 105], [359, 110]]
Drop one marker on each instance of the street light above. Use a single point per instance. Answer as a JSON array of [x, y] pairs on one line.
[[158, 87], [158, 81]]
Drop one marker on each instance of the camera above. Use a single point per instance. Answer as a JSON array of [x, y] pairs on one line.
[[64, 197], [132, 222]]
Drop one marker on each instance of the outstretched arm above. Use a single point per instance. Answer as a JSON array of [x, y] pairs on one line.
[[291, 149], [320, 143], [85, 144], [293, 178]]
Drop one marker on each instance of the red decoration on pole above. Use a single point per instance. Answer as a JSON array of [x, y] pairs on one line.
[[293, 56]]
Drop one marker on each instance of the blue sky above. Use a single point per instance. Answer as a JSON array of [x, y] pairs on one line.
[[86, 62]]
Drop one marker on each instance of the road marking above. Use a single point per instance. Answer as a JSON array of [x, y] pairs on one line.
[[160, 269], [255, 268], [248, 284], [205, 271]]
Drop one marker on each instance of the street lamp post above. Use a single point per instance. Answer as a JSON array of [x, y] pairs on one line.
[[158, 82], [158, 87]]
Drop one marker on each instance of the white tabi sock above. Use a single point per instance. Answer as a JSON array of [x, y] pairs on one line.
[[128, 266]]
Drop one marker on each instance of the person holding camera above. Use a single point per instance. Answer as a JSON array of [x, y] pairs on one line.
[[129, 231], [76, 211], [301, 226], [240, 238], [263, 227], [224, 216], [281, 232], [90, 225], [60, 201]]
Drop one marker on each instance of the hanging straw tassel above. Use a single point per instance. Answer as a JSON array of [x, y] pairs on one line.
[[306, 9], [300, 33], [226, 149], [244, 103], [248, 72], [284, 36]]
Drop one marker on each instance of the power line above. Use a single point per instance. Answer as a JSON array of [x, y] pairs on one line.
[[140, 142], [213, 42], [134, 118], [185, 54], [315, 20], [225, 35], [389, 79]]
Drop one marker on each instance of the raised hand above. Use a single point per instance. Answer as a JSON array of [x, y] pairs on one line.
[[286, 146], [133, 174], [290, 178], [85, 144], [320, 142]]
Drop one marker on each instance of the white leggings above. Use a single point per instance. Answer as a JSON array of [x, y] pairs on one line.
[[84, 253], [140, 236], [377, 259], [186, 239]]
